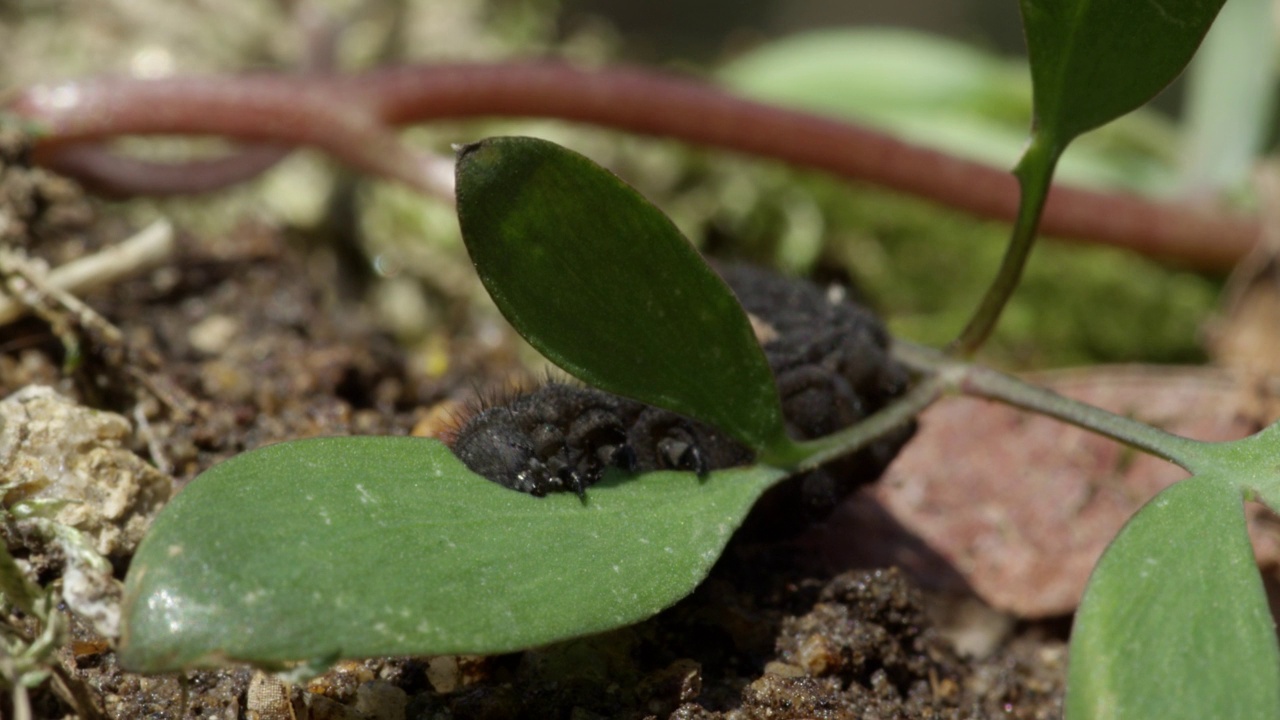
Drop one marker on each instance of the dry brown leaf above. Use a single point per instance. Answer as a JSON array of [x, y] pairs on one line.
[[1019, 507]]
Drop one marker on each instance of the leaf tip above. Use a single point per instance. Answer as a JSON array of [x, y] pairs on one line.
[[461, 150], [464, 154]]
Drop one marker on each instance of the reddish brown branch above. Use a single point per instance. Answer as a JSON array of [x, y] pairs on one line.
[[282, 109], [349, 116], [113, 175]]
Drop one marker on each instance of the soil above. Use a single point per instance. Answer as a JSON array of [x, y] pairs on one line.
[[257, 336]]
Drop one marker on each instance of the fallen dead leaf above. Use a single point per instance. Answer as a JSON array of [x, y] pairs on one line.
[[1018, 507]]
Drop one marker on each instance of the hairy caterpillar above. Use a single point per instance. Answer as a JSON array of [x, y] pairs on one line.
[[829, 357], [562, 437]]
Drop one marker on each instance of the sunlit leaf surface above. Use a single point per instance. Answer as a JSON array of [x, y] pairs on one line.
[[603, 284], [365, 546]]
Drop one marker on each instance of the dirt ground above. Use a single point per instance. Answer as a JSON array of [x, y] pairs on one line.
[[256, 336]]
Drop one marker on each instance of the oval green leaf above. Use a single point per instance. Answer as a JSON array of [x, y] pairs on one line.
[[1091, 62], [1095, 60], [1174, 621], [368, 546], [1251, 463], [602, 283]]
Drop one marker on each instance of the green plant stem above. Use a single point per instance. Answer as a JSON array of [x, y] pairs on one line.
[[940, 373], [15, 587], [783, 452], [988, 383], [1035, 174], [929, 389], [984, 382]]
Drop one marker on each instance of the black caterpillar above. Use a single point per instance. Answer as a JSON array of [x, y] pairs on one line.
[[831, 363], [562, 438]]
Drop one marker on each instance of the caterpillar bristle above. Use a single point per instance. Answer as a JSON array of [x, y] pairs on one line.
[[496, 395]]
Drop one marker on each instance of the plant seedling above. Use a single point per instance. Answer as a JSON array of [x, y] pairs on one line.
[[452, 584], [347, 547]]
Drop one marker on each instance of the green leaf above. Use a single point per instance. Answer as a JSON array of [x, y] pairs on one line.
[[881, 73], [1091, 62], [1251, 463], [603, 284], [366, 546], [1095, 60], [1174, 621], [944, 94]]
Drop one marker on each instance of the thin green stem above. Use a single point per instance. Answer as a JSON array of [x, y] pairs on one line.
[[987, 383], [941, 373], [783, 452], [1035, 174], [894, 415]]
